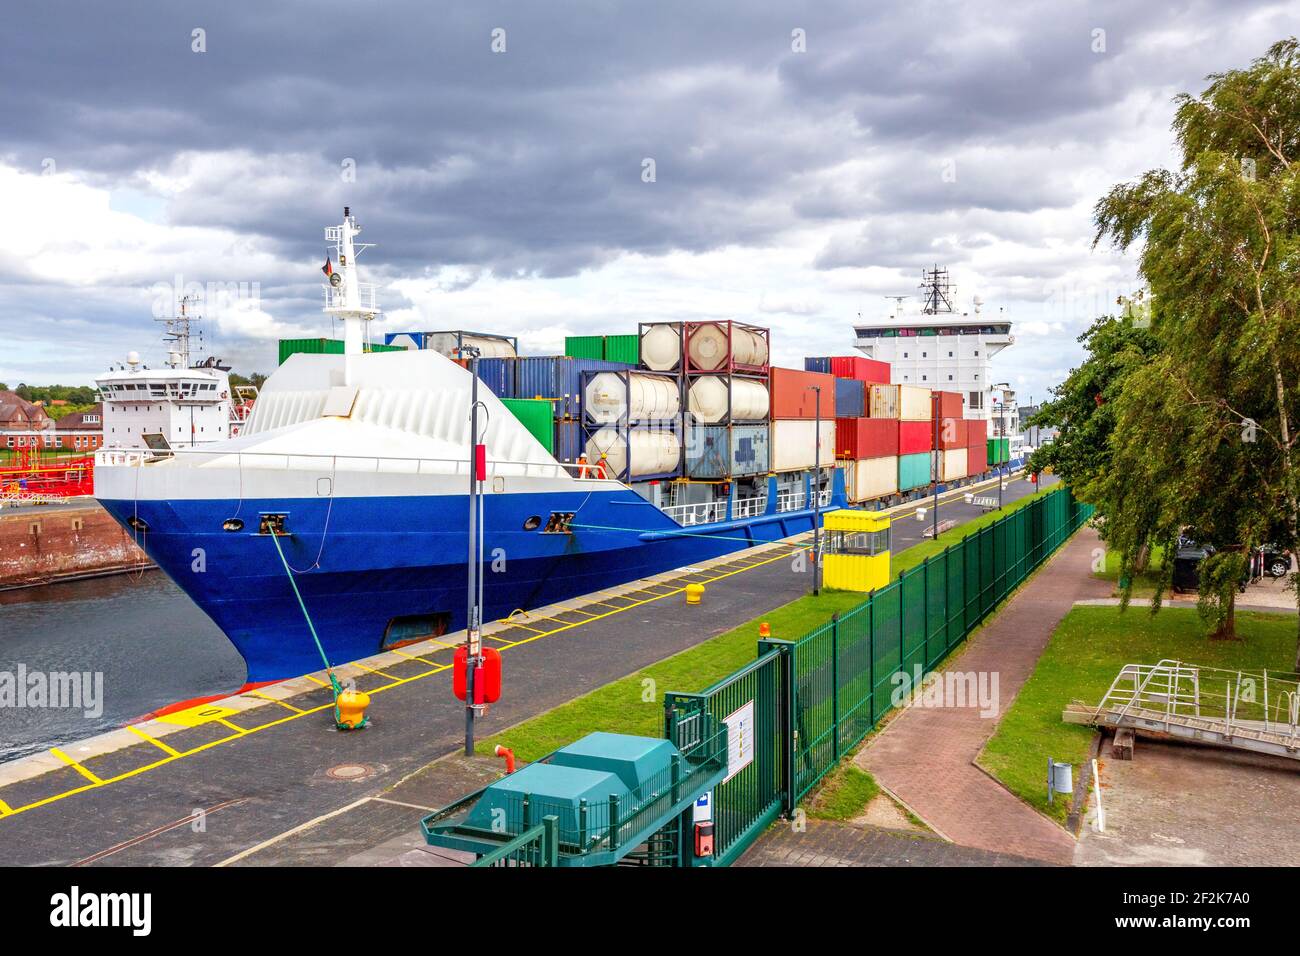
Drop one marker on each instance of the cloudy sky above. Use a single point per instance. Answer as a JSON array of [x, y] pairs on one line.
[[808, 160]]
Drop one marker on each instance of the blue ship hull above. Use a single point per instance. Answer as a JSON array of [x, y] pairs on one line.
[[374, 571]]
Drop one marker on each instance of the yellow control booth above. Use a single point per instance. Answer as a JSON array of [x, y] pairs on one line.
[[856, 550]]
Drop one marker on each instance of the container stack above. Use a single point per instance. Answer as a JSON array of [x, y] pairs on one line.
[[489, 345], [951, 437], [726, 383], [632, 420], [326, 347], [916, 455], [999, 451], [609, 348], [866, 443], [794, 411], [559, 380], [977, 462]]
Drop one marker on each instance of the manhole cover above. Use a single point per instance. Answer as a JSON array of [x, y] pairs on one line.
[[349, 771]]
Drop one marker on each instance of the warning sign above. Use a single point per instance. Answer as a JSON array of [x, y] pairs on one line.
[[740, 739]]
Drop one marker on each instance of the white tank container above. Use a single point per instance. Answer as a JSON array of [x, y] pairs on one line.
[[707, 400], [914, 403], [445, 343], [869, 478], [631, 396], [654, 451], [661, 347], [793, 441], [707, 346]]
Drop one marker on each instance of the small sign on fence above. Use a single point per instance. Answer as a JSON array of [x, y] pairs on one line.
[[740, 739]]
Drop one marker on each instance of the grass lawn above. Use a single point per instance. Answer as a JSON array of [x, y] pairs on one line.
[[844, 795], [634, 704], [1084, 655], [1144, 585]]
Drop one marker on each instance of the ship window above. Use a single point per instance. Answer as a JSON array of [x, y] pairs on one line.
[[533, 523], [410, 628], [232, 524]]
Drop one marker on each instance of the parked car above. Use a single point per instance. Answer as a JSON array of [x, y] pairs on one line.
[[1268, 560], [1274, 562]]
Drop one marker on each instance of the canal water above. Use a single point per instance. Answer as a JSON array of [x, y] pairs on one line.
[[148, 640]]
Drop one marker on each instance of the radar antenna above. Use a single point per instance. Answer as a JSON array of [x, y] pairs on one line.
[[936, 290]]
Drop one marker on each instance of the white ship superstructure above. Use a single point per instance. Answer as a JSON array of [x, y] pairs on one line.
[[939, 347]]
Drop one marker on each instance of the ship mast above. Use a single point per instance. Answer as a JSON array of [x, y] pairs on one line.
[[937, 291], [176, 335], [346, 297]]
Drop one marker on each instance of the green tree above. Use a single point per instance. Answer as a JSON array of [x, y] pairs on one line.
[[1205, 434]]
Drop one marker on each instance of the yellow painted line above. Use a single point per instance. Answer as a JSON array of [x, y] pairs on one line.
[[225, 723], [75, 766], [572, 610], [4, 809], [152, 739], [273, 700], [527, 628], [197, 715], [372, 670], [96, 782], [415, 657]]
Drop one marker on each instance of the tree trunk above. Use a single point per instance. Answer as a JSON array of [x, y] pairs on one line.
[[1143, 557], [1227, 630]]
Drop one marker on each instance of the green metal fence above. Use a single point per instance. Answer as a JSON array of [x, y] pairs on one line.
[[807, 702]]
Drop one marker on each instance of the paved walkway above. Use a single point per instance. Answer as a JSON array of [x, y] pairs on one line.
[[826, 843], [926, 755]]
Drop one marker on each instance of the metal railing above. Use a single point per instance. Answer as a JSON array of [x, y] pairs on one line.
[[386, 464], [749, 507], [704, 513], [791, 500], [336, 299]]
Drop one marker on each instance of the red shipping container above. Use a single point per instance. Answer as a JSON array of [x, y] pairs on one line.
[[863, 369], [950, 404], [977, 459], [952, 433], [977, 432], [914, 437], [865, 437], [793, 398]]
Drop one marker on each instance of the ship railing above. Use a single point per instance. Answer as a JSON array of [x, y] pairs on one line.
[[749, 507], [824, 498], [336, 299], [300, 461], [791, 500], [703, 513]]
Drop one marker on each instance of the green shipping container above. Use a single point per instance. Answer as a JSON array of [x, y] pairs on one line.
[[585, 346], [913, 470], [538, 416], [325, 347], [1004, 450], [993, 448], [623, 348]]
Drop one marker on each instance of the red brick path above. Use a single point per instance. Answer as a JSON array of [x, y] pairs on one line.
[[926, 755]]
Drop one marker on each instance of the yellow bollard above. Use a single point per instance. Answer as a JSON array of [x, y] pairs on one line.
[[693, 593], [352, 706]]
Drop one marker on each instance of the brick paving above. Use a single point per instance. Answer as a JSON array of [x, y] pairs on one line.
[[926, 755], [826, 843]]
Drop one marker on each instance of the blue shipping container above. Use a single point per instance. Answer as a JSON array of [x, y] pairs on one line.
[[558, 377], [817, 365], [498, 374], [850, 398], [726, 451], [408, 339], [568, 440]]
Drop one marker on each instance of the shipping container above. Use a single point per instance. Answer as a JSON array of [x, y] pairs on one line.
[[914, 403], [865, 437], [498, 374], [868, 478], [863, 369], [977, 459], [915, 437], [405, 340], [976, 431], [326, 347], [914, 470], [952, 433], [660, 345], [630, 396], [585, 346], [623, 348], [793, 397], [952, 464], [636, 454], [489, 344], [727, 347], [557, 377], [723, 399], [793, 441], [715, 452], [883, 401], [1004, 450], [950, 404], [568, 439], [537, 416], [850, 398], [822, 365]]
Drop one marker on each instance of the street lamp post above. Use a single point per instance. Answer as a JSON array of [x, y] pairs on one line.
[[473, 647]]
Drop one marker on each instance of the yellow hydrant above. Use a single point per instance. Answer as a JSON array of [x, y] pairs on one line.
[[693, 593], [352, 706]]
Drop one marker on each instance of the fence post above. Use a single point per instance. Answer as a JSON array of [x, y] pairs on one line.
[[613, 821], [550, 841], [835, 681], [784, 702], [925, 611], [871, 653]]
